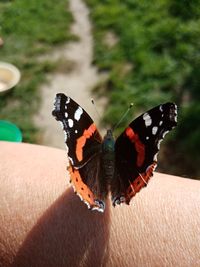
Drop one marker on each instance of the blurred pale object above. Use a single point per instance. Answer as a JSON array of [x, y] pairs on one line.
[[1, 42], [9, 76]]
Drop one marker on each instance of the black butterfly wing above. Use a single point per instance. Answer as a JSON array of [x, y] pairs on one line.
[[136, 151], [82, 137], [84, 147]]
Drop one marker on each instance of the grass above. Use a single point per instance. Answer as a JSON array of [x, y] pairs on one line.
[[30, 30], [152, 57]]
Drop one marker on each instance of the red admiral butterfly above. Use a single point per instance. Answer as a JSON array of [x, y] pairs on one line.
[[99, 166]]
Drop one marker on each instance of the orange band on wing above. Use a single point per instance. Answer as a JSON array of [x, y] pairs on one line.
[[83, 191], [80, 188], [82, 140], [140, 148], [139, 182]]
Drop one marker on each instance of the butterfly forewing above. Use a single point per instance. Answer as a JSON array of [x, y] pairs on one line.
[[82, 137]]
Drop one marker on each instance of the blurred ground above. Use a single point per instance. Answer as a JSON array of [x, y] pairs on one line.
[[76, 83]]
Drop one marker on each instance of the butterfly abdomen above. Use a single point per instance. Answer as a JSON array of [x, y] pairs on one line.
[[108, 165], [108, 157]]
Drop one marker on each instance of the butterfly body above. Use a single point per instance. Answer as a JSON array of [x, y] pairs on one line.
[[120, 167], [108, 156]]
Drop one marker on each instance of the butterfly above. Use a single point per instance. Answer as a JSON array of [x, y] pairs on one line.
[[122, 167]]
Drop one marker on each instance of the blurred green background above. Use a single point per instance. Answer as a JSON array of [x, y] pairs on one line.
[[149, 50], [30, 30]]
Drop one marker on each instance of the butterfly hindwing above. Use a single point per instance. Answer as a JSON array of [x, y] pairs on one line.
[[136, 150]]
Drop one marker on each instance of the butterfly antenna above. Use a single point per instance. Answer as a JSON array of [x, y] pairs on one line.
[[92, 100], [123, 116]]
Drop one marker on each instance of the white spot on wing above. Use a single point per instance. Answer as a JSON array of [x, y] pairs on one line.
[[147, 119], [66, 114], [88, 205], [159, 142], [81, 197], [147, 137], [61, 125], [66, 136], [98, 208], [154, 130], [161, 108], [78, 113], [76, 131], [155, 158], [165, 134], [71, 160], [175, 118], [160, 123], [68, 100], [70, 123]]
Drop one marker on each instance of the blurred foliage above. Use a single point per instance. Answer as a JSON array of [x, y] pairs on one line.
[[153, 57], [30, 30]]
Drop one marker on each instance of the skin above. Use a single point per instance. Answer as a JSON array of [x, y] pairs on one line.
[[43, 223]]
